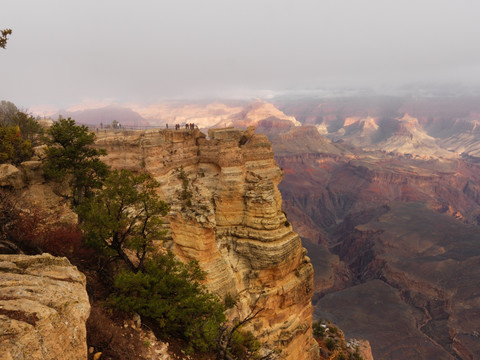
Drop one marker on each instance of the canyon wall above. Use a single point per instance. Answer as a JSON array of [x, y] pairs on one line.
[[231, 222], [394, 241]]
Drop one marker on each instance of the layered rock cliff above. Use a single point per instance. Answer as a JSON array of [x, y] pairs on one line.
[[43, 308], [231, 222]]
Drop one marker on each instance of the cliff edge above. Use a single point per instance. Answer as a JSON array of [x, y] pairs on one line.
[[226, 213]]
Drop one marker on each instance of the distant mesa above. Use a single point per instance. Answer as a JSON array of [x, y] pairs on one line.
[[105, 115], [204, 115]]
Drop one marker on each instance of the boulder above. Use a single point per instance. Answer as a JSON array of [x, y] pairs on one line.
[[43, 308], [11, 176]]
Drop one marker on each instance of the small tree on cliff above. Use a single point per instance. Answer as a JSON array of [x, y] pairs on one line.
[[70, 155], [234, 343], [124, 216], [122, 219]]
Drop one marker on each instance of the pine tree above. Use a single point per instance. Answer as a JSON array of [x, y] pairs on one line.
[[70, 155]]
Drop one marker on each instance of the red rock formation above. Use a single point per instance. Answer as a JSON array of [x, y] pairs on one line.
[[404, 221]]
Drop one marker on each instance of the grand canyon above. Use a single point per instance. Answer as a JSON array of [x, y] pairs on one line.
[[255, 180], [384, 192]]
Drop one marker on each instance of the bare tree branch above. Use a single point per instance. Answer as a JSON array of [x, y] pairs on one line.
[[4, 37]]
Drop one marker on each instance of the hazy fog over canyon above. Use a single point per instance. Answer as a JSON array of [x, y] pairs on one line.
[[60, 55]]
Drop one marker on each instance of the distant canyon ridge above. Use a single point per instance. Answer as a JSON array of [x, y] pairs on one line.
[[385, 193]]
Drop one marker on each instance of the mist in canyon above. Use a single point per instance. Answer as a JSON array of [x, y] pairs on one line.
[[385, 194], [372, 109], [91, 52]]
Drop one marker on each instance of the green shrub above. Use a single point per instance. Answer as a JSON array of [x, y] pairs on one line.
[[186, 194], [229, 301], [244, 345], [333, 329], [318, 329], [356, 355], [29, 127], [13, 147], [168, 292], [330, 343], [70, 155], [124, 217]]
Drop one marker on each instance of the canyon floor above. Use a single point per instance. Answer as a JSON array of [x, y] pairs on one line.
[[395, 247]]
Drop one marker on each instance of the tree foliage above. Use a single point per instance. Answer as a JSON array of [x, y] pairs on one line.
[[29, 127], [186, 194], [244, 345], [8, 110], [122, 219], [330, 343], [318, 329], [13, 147], [169, 292], [4, 37], [70, 154], [125, 215], [18, 132], [235, 343]]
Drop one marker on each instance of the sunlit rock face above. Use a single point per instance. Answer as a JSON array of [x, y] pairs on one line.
[[43, 308], [233, 224], [216, 114]]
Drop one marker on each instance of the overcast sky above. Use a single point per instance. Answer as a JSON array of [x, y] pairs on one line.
[[65, 52]]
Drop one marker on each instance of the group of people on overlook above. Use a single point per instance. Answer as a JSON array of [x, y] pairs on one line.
[[188, 126]]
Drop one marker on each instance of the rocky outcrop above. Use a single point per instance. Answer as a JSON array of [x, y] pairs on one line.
[[233, 223], [365, 349], [33, 193], [10, 176], [43, 308]]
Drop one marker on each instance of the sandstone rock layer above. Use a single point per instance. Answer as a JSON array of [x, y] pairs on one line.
[[43, 308], [233, 225]]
